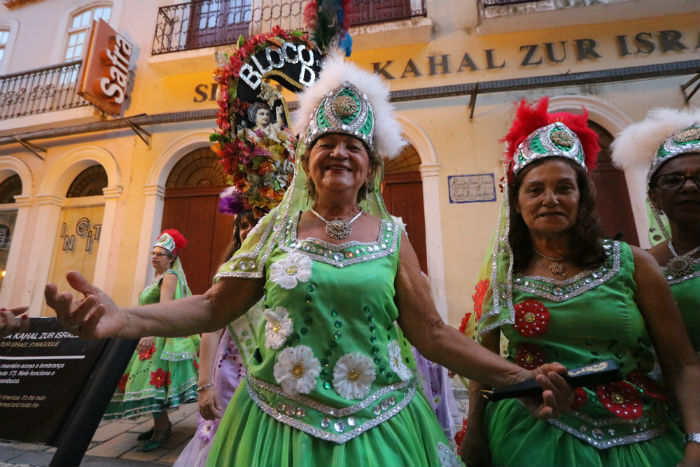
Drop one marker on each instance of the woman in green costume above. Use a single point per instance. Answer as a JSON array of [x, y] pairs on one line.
[[330, 375], [667, 145], [162, 373], [559, 292]]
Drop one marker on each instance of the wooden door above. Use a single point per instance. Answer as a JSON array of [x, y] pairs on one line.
[[403, 196], [612, 201], [194, 212]]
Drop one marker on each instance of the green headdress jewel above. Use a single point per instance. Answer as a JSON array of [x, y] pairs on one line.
[[555, 139], [343, 110]]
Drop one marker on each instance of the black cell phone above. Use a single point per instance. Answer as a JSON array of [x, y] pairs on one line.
[[589, 375]]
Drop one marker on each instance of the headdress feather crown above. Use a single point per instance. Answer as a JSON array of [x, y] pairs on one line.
[[664, 133], [346, 99], [171, 240], [536, 133]]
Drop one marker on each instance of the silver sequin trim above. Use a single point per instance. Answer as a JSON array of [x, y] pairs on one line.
[[560, 291], [677, 280], [317, 433], [608, 443], [327, 409], [388, 232]]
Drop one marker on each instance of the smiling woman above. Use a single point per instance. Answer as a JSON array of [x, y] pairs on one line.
[[673, 190], [560, 292]]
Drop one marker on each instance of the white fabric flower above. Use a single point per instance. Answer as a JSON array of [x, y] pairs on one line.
[[396, 361], [288, 272], [296, 370], [353, 375], [278, 327]]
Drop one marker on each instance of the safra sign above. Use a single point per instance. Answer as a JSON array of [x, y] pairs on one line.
[[105, 73]]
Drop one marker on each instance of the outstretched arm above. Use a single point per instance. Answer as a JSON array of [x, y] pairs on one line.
[[450, 348], [97, 316]]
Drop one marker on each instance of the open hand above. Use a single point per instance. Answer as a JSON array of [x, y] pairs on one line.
[[95, 316], [13, 320], [557, 395]]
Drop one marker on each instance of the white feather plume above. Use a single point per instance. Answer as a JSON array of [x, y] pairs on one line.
[[387, 130], [636, 145]]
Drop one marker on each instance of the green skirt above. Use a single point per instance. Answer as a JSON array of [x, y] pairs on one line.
[[517, 439], [157, 380], [249, 437]]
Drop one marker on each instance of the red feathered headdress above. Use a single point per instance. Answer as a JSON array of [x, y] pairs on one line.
[[179, 242], [529, 119]]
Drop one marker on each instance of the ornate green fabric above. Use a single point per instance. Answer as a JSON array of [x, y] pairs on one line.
[[332, 382], [589, 318], [686, 291], [160, 379]]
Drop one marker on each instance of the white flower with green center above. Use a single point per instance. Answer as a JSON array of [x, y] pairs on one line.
[[353, 375], [396, 361], [288, 272], [278, 327], [296, 370]]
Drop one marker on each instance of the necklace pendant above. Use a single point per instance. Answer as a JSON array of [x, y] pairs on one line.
[[338, 229], [679, 266], [557, 268]]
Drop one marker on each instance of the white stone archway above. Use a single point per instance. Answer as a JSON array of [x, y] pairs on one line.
[[430, 174], [614, 120], [51, 198], [10, 295], [154, 192]]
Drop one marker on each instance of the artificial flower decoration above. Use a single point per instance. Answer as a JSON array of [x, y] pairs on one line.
[[580, 398], [288, 272], [529, 356], [122, 382], [230, 201], [260, 162], [647, 385], [206, 430], [278, 327], [159, 378], [296, 370], [353, 375], [621, 398], [460, 435], [148, 353], [396, 361], [531, 318], [479, 294]]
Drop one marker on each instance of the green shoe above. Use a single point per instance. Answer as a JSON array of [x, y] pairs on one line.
[[146, 435], [152, 445]]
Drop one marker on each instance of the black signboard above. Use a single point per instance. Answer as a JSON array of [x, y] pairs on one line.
[[55, 387]]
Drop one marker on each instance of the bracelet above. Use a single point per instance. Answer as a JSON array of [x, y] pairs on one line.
[[205, 386], [692, 438]]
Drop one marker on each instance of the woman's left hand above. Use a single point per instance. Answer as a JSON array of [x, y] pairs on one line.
[[208, 407], [557, 395]]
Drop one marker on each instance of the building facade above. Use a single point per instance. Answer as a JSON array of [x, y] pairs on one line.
[[81, 189]]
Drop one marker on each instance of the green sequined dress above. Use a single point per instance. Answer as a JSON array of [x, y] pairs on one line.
[[686, 291], [586, 319], [161, 378], [332, 380]]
